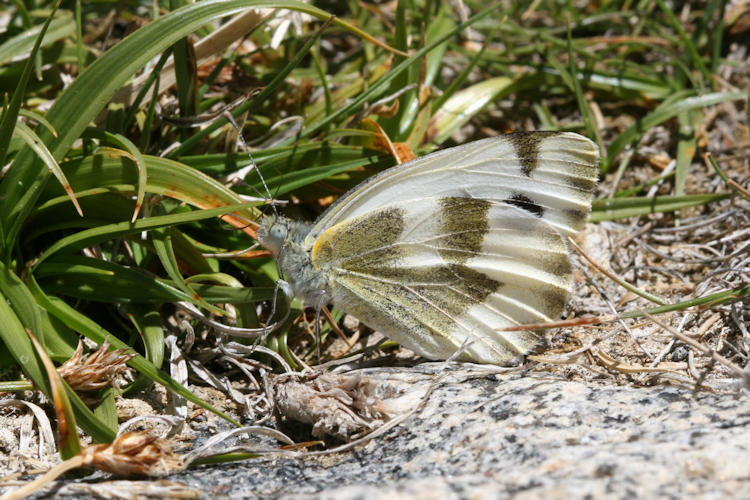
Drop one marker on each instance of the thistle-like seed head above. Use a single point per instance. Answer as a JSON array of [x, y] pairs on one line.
[[94, 371]]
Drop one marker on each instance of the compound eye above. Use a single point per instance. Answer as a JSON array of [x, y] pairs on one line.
[[278, 232], [272, 233]]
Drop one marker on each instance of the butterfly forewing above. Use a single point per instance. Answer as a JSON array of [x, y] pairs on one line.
[[552, 174]]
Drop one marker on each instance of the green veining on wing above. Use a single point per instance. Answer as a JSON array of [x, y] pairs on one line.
[[366, 252]]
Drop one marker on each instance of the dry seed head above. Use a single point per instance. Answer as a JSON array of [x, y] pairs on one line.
[[96, 370], [343, 406], [133, 454]]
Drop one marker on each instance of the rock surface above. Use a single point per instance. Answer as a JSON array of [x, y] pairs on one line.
[[521, 435]]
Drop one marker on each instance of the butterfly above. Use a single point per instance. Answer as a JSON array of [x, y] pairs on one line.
[[449, 247]]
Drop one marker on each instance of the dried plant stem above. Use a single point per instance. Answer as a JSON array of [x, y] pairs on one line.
[[609, 274], [334, 326], [710, 162], [614, 364], [738, 372], [42, 481]]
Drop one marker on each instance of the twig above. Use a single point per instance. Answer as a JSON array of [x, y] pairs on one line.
[[615, 278], [738, 372]]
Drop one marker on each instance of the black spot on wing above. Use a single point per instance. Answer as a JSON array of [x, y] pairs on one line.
[[525, 203], [526, 145]]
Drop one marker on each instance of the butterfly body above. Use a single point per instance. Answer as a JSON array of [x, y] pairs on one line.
[[285, 238], [451, 246]]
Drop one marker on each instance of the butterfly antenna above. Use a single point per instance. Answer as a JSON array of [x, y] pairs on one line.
[[253, 166], [273, 197]]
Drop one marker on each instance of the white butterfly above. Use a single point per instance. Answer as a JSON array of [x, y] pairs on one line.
[[450, 246]]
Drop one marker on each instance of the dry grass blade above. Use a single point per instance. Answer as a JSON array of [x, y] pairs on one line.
[[132, 489], [66, 423], [207, 449], [46, 437], [711, 163], [171, 422], [614, 364], [743, 375], [615, 278], [607, 318], [327, 313]]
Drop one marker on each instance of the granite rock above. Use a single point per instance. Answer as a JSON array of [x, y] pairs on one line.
[[523, 435]]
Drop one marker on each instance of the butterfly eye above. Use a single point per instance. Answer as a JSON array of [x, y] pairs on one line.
[[278, 232], [272, 233]]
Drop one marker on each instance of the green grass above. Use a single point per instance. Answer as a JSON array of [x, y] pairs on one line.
[[154, 202]]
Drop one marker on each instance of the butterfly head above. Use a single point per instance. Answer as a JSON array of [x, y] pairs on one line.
[[277, 232], [284, 239], [273, 232]]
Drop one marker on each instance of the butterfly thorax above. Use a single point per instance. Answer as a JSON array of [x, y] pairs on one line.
[[285, 239]]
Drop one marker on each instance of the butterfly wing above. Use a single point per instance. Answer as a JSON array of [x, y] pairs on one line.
[[549, 174], [459, 243], [436, 271]]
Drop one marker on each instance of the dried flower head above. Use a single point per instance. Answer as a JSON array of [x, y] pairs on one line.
[[94, 371], [133, 454], [342, 406], [130, 454]]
